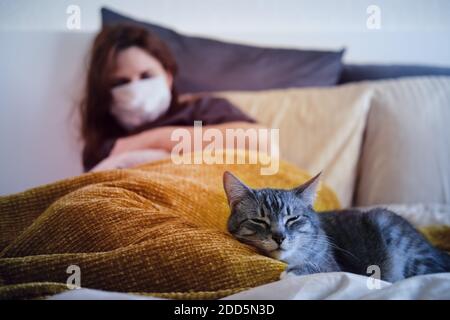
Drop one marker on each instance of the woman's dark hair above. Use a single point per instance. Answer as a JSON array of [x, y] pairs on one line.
[[97, 123]]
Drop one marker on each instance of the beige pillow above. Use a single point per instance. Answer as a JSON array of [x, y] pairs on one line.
[[406, 153], [321, 129]]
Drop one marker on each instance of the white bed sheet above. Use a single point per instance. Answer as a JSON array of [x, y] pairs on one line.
[[334, 285], [323, 286]]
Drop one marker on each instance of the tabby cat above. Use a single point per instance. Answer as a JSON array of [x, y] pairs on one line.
[[282, 224]]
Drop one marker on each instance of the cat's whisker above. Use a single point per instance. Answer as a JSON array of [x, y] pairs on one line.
[[347, 240], [328, 242]]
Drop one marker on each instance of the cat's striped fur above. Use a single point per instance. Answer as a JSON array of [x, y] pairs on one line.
[[282, 224]]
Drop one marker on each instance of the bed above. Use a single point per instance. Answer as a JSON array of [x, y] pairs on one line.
[[140, 227], [158, 230]]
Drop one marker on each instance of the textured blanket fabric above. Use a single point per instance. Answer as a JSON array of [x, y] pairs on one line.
[[157, 229]]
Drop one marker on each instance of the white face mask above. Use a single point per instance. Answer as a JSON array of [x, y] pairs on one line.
[[140, 101]]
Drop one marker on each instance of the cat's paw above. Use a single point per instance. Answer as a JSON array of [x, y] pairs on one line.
[[286, 274]]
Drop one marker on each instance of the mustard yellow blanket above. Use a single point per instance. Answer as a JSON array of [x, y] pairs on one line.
[[158, 229]]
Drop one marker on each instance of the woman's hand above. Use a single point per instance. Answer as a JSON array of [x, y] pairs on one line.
[[125, 144], [130, 159], [159, 138], [150, 139]]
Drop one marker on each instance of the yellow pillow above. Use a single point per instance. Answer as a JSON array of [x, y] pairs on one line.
[[321, 129], [158, 229]]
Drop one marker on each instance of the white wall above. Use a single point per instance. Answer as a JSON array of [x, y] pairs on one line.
[[412, 31], [235, 16], [40, 81]]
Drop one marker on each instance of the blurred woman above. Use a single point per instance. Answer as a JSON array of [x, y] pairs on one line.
[[131, 103]]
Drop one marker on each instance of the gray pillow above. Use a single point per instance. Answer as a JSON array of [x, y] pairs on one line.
[[406, 150], [360, 72], [211, 65]]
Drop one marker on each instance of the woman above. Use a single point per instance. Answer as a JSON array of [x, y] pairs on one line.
[[131, 103]]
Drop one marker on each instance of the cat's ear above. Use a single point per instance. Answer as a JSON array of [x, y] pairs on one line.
[[235, 189], [307, 191]]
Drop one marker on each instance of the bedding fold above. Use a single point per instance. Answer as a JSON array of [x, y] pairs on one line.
[[158, 229]]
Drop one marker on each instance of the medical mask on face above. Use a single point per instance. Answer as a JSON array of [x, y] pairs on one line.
[[140, 101]]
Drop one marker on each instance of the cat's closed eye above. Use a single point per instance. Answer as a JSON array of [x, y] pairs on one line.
[[260, 222], [293, 220], [246, 232]]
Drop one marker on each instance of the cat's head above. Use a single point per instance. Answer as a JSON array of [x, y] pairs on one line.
[[275, 221]]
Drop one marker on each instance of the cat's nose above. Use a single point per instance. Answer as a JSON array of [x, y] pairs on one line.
[[278, 238]]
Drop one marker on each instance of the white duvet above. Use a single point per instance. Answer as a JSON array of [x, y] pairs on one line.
[[342, 285], [334, 285]]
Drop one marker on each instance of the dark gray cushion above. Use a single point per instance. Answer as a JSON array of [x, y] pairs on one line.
[[355, 72], [211, 65]]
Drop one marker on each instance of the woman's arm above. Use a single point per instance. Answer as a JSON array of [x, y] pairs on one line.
[[159, 138]]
